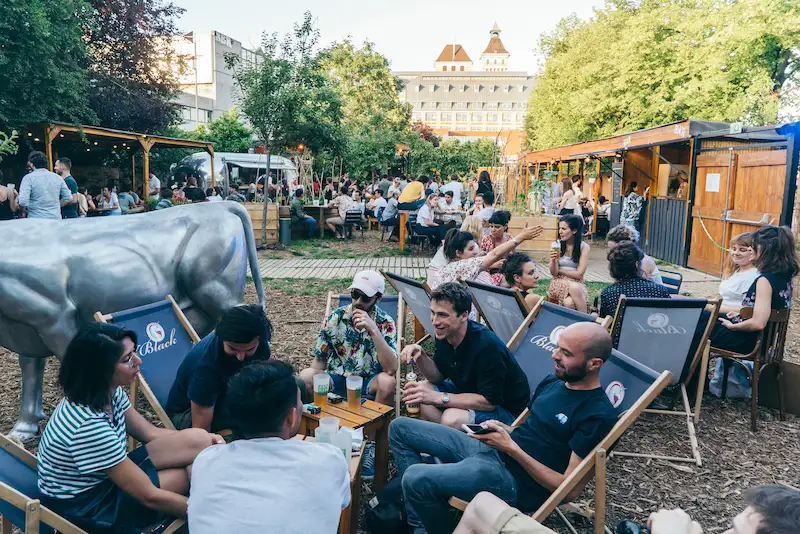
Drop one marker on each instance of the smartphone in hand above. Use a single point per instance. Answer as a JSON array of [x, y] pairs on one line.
[[476, 429]]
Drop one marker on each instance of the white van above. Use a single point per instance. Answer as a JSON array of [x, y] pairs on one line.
[[233, 171]]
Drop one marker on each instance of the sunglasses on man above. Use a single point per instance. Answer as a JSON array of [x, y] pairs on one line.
[[357, 295]]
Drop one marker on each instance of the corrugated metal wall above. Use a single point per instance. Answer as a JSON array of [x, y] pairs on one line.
[[666, 230]]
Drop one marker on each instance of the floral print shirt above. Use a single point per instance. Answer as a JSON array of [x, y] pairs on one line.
[[782, 291], [348, 351], [487, 245]]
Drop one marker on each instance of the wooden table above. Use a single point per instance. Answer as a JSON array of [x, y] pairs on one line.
[[322, 212], [373, 417], [348, 522]]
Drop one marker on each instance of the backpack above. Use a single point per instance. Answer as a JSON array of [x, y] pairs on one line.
[[386, 511]]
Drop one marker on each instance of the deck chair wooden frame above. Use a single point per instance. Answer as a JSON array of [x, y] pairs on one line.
[[698, 365], [594, 463], [472, 285], [141, 382], [605, 322], [400, 326], [768, 351], [36, 515], [391, 278]]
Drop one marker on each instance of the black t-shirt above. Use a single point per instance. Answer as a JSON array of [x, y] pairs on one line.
[[195, 194], [562, 421], [204, 373], [482, 364]]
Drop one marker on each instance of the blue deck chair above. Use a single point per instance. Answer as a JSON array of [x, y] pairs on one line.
[[165, 337], [502, 309], [416, 295], [669, 335], [672, 280], [630, 386], [395, 307], [19, 496]]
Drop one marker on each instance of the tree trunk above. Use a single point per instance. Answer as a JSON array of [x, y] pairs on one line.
[[266, 200]]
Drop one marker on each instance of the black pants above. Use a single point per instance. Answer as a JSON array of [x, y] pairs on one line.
[[435, 233]]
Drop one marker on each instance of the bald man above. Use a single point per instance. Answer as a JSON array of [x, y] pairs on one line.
[[569, 415]]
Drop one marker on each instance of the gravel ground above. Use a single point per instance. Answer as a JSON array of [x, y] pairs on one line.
[[734, 459]]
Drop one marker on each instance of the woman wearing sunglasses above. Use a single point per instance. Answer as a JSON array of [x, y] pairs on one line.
[[84, 471]]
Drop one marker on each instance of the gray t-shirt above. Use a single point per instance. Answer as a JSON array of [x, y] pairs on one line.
[[390, 210], [41, 193]]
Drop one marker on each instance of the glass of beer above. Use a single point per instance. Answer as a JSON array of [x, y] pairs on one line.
[[322, 384], [354, 385]]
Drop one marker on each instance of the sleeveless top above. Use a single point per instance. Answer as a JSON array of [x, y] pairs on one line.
[[782, 291], [566, 263], [571, 203]]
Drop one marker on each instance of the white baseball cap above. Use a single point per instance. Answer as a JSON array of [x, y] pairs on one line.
[[368, 282]]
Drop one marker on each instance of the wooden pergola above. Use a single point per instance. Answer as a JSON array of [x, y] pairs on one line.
[[116, 139]]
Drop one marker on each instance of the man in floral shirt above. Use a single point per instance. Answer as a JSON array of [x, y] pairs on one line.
[[358, 340]]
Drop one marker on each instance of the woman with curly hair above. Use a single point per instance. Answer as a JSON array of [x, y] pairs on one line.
[[568, 265], [498, 234], [625, 266], [621, 233]]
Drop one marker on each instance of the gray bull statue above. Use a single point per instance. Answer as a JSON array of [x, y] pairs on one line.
[[54, 275]]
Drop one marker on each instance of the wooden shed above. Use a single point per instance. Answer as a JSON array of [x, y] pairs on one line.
[[708, 181]]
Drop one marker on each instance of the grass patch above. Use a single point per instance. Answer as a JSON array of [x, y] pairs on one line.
[[594, 289], [324, 249], [310, 287]]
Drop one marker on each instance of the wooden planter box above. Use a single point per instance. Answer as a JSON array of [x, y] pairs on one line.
[[256, 211], [542, 244]]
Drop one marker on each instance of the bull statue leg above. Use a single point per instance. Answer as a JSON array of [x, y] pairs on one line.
[[30, 412]]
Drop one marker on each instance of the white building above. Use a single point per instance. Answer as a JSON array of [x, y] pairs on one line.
[[210, 91]]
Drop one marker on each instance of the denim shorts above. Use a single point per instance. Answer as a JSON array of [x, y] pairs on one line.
[[476, 417], [339, 385], [106, 507]]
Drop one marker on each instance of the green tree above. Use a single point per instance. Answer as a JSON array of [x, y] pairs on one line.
[[286, 97], [43, 62], [635, 65], [132, 85], [228, 133]]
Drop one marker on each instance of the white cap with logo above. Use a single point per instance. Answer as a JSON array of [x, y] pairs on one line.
[[368, 282]]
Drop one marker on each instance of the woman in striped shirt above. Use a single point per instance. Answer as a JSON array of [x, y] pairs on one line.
[[84, 472]]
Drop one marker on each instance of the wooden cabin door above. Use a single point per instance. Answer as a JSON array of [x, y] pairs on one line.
[[711, 200]]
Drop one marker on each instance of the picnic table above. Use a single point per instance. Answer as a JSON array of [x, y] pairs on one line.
[[348, 522], [321, 214], [373, 417]]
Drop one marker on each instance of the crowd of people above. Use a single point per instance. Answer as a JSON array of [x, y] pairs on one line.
[[263, 479]]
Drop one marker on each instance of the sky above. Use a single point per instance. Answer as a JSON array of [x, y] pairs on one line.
[[411, 33]]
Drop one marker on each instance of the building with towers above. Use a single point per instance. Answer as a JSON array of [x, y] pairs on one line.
[[457, 101]]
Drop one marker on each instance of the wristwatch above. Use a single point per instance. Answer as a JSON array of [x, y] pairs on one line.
[[445, 399]]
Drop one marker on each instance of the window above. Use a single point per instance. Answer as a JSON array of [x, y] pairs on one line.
[[522, 105], [492, 88], [432, 88], [461, 128], [419, 88], [478, 127], [520, 117], [416, 116], [506, 88], [491, 117], [461, 117], [506, 117], [477, 105], [461, 105], [521, 88], [431, 116], [491, 105], [448, 88], [508, 105], [462, 67], [446, 117], [452, 67], [477, 117], [463, 88], [478, 88], [444, 68]]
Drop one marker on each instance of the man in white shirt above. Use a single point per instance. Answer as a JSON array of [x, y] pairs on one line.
[[448, 203], [488, 209], [455, 187], [42, 193], [376, 204], [267, 482], [154, 186]]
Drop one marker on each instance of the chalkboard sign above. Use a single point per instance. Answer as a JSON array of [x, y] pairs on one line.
[[658, 333], [415, 296], [623, 379], [502, 309]]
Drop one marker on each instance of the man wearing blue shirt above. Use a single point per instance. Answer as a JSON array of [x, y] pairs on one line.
[[197, 397], [42, 193]]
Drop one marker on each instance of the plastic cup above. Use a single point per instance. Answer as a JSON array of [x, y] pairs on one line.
[[322, 385], [324, 434], [329, 421], [344, 442], [556, 245], [354, 385]]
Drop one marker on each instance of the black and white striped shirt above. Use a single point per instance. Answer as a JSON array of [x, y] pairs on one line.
[[78, 444]]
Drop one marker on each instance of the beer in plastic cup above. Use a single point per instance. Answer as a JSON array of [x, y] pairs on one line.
[[556, 245], [412, 409], [354, 386], [322, 385]]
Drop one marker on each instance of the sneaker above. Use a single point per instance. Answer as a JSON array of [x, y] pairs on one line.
[[368, 462]]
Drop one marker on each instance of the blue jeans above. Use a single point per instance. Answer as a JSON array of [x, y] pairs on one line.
[[469, 467], [311, 225], [411, 206]]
